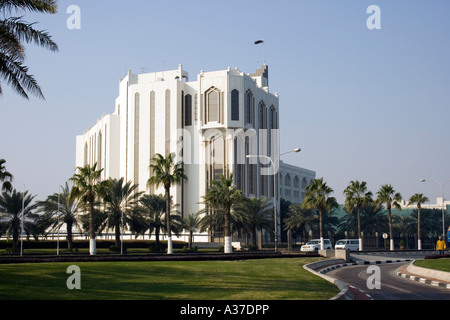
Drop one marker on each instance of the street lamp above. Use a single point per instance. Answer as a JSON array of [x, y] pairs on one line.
[[442, 195], [275, 171]]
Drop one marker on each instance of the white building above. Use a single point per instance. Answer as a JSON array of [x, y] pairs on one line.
[[211, 124], [293, 181]]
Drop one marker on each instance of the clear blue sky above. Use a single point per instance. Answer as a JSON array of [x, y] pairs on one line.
[[363, 104]]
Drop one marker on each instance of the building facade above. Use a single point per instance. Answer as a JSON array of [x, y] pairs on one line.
[[211, 124], [293, 182]]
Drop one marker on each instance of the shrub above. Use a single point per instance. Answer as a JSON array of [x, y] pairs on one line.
[[193, 249], [12, 251], [156, 248], [117, 249]]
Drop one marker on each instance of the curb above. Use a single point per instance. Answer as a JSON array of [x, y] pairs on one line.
[[345, 293], [337, 266], [422, 278]]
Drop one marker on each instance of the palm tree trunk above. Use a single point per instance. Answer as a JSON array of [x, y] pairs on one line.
[[191, 238], [254, 234], [391, 234], [156, 237], [69, 237], [321, 229], [419, 241], [169, 232], [359, 230], [117, 233], [227, 245], [15, 237], [92, 244]]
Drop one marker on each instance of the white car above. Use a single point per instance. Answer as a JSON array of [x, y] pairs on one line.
[[347, 244], [314, 245]]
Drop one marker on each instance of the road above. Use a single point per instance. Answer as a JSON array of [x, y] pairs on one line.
[[391, 286]]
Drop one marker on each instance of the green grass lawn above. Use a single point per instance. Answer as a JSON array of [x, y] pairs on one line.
[[266, 279], [442, 264]]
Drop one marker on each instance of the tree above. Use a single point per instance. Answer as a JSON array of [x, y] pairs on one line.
[[62, 205], [166, 173], [191, 223], [386, 194], [14, 32], [418, 198], [357, 196], [87, 188], [121, 200], [318, 198], [16, 208], [257, 214], [153, 208], [5, 176], [222, 195], [300, 219]]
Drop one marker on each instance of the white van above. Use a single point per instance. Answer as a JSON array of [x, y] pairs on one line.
[[314, 245], [347, 244]]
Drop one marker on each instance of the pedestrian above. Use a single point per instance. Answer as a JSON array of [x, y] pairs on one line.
[[440, 246]]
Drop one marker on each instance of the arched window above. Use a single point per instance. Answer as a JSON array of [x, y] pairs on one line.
[[287, 181], [167, 100], [99, 151], [86, 153], [287, 184], [136, 137], [188, 110], [249, 108], [235, 105], [152, 131], [213, 106], [262, 115]]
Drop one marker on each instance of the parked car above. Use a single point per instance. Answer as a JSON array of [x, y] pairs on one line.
[[347, 244], [314, 245]]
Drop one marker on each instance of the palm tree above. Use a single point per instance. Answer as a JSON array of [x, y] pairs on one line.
[[191, 223], [387, 195], [153, 208], [418, 198], [120, 201], [14, 31], [318, 198], [356, 195], [61, 204], [300, 219], [87, 188], [167, 173], [222, 195], [15, 209], [5, 177], [256, 214]]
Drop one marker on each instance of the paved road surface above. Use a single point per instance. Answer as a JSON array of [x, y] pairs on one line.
[[392, 286]]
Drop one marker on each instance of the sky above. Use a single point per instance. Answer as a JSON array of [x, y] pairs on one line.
[[366, 104]]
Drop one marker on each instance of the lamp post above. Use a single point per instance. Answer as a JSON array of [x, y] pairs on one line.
[[57, 239], [442, 195], [275, 191]]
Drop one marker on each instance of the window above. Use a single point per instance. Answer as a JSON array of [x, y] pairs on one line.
[[167, 146], [212, 105], [136, 137], [188, 110], [262, 116], [235, 105], [249, 108]]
